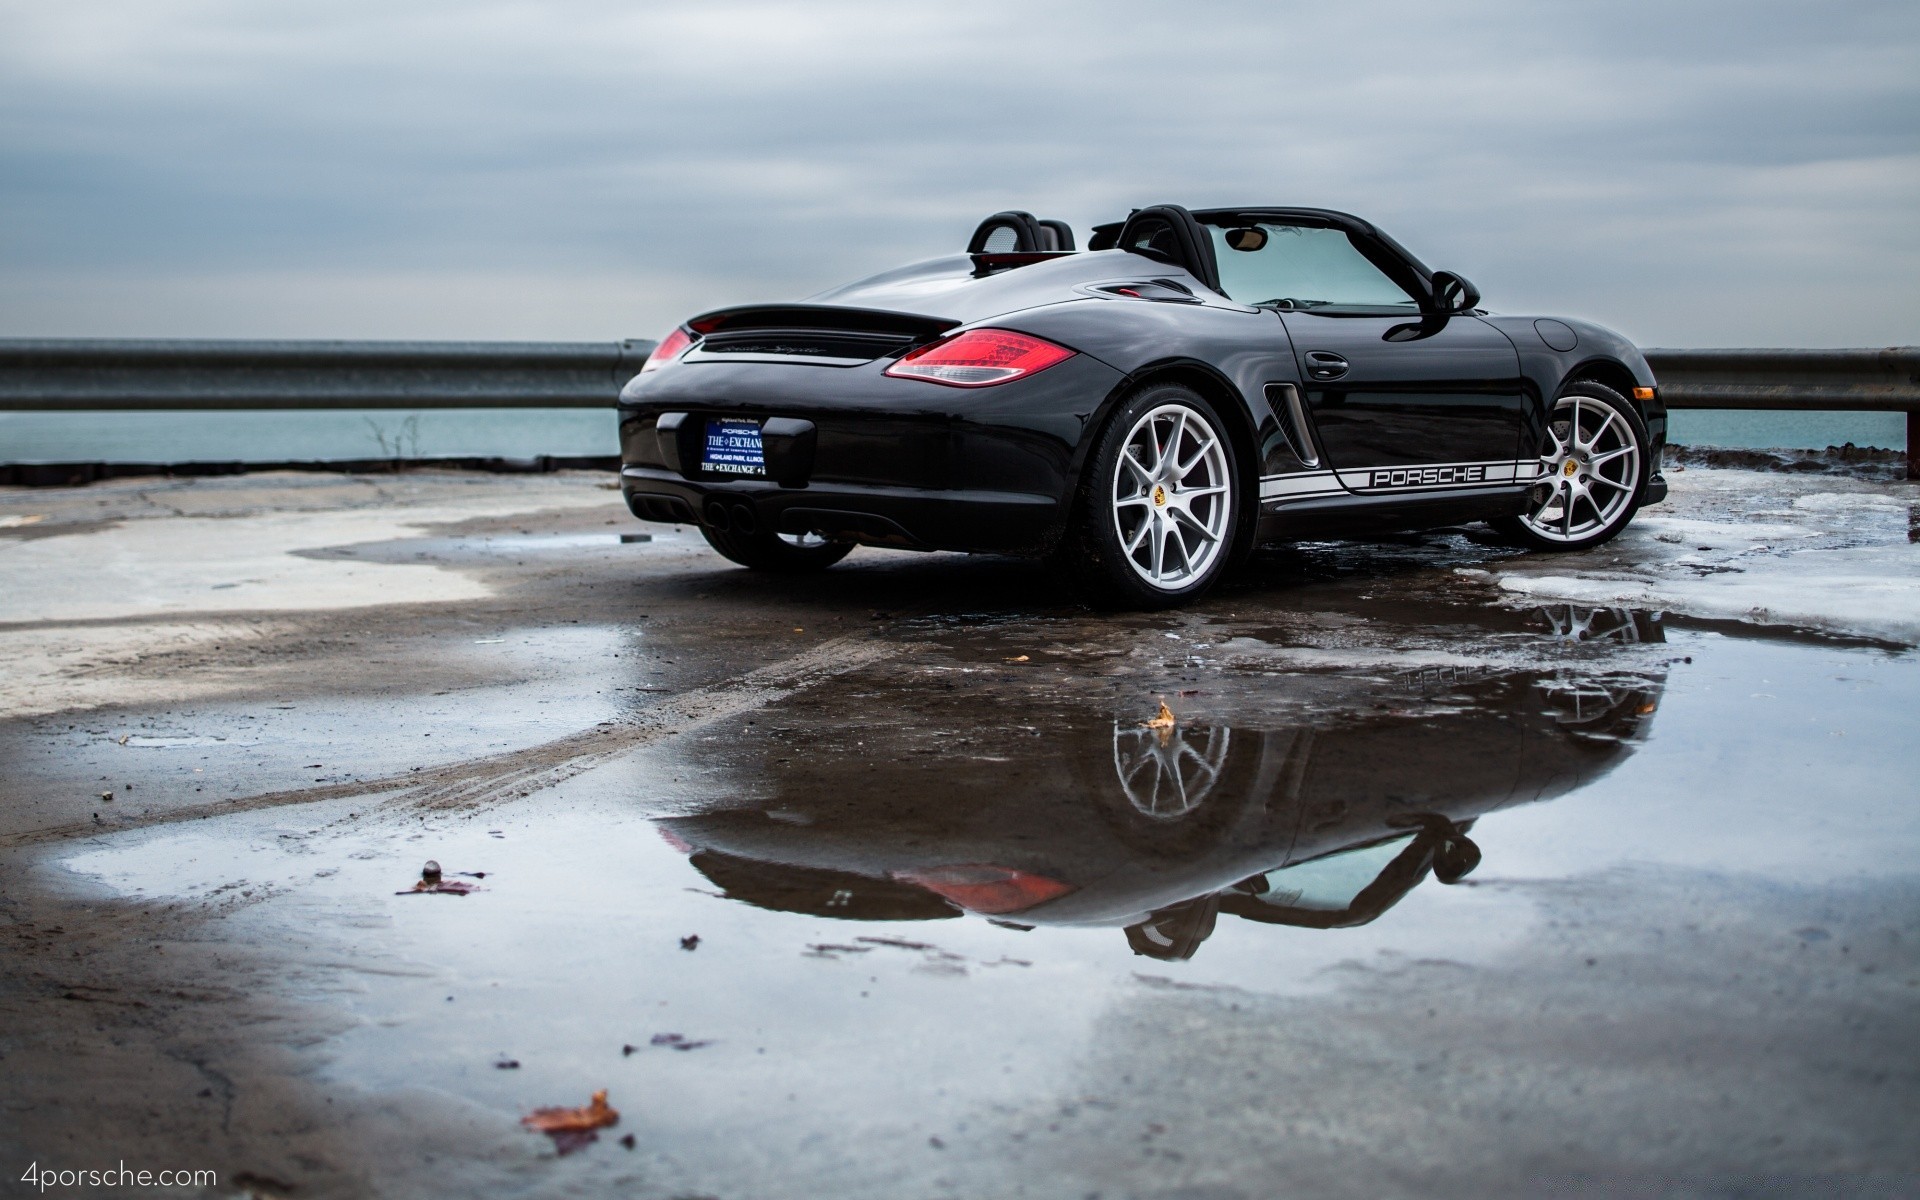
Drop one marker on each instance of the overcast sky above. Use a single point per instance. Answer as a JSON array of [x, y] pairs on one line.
[[1713, 174]]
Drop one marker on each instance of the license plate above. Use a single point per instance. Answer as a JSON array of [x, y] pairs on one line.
[[733, 448]]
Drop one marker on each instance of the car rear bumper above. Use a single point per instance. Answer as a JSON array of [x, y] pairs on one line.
[[871, 514], [858, 456]]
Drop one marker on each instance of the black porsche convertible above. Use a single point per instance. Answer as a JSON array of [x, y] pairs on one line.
[[1143, 412]]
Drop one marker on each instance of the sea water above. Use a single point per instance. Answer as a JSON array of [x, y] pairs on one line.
[[350, 434]]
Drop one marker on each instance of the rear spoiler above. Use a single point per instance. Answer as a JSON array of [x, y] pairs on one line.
[[820, 316]]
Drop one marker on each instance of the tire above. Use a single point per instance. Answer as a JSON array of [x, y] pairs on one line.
[[1136, 508], [780, 553], [1593, 472], [1172, 795]]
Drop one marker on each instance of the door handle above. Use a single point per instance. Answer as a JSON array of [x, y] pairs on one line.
[[1324, 365]]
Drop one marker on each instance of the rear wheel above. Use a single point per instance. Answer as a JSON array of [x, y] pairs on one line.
[[786, 553], [1590, 472], [1159, 507]]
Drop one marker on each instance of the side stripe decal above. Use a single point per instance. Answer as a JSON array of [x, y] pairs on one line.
[[1294, 487], [1425, 477]]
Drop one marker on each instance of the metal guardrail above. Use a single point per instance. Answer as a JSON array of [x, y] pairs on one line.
[[111, 375], [1802, 380], [167, 376], [1886, 380], [107, 375]]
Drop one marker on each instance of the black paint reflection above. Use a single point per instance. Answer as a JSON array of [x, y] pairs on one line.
[[1160, 831]]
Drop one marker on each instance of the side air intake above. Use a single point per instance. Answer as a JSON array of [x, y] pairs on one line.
[[1284, 398]]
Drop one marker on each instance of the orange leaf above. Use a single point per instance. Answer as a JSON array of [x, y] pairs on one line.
[[573, 1120], [1166, 719]]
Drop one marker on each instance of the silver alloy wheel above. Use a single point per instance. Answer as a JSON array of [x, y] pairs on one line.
[[1575, 623], [1171, 507], [1167, 773], [1588, 473], [1590, 705]]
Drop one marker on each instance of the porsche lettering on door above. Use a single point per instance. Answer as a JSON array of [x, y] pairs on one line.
[[1425, 476]]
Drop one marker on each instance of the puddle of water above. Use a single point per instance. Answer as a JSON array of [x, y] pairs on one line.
[[914, 907]]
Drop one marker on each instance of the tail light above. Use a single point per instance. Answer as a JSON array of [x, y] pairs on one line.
[[986, 889], [675, 840], [671, 347], [980, 358]]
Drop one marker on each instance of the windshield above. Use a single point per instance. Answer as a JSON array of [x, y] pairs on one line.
[[1302, 267], [1331, 883]]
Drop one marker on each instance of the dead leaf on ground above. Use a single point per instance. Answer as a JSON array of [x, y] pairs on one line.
[[432, 880], [1166, 719], [1022, 658], [572, 1128], [443, 887]]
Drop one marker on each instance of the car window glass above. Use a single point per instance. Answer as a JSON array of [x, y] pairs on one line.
[[1329, 884], [1300, 266]]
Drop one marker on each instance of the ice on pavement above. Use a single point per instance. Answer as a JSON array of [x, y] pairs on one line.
[[1826, 553]]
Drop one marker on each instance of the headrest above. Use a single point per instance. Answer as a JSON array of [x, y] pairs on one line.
[[1015, 232]]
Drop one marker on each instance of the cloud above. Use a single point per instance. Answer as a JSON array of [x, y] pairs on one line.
[[1674, 170]]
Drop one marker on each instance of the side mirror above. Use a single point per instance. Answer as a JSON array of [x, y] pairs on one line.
[[1453, 293]]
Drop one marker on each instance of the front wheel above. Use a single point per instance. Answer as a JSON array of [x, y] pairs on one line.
[[1590, 474], [1159, 507], [783, 553]]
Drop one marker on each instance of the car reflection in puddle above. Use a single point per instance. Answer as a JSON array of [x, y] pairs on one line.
[[1325, 824]]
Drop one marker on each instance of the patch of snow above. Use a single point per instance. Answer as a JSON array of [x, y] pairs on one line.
[[1753, 546]]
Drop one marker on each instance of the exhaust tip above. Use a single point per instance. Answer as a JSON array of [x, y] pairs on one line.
[[715, 514], [745, 519]]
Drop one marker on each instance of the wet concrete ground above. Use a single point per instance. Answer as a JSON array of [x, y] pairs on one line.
[[1454, 870]]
